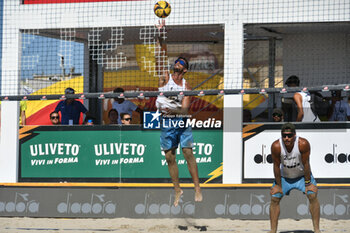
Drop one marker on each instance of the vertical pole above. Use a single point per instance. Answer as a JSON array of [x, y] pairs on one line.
[[10, 83], [94, 84], [272, 61], [233, 104]]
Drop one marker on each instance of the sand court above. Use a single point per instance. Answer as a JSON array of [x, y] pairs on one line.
[[165, 225]]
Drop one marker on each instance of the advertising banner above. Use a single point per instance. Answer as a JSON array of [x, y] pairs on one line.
[[110, 152], [330, 150], [156, 203]]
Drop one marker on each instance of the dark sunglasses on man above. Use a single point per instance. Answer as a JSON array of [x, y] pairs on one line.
[[288, 135], [276, 115], [127, 119], [55, 117]]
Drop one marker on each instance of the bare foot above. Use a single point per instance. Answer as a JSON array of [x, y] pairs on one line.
[[177, 197], [198, 195]]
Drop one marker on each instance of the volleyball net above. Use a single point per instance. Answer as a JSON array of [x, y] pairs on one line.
[[126, 57], [94, 61], [97, 60]]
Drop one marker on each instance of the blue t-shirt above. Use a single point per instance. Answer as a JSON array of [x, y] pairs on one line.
[[125, 107], [341, 111], [70, 111]]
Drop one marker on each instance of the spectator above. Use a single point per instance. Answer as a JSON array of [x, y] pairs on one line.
[[89, 120], [113, 116], [340, 108], [122, 105], [277, 115], [70, 109], [22, 116], [302, 100], [55, 118], [126, 118]]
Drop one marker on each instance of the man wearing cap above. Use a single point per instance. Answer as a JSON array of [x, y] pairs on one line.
[[277, 115], [70, 109], [291, 167]]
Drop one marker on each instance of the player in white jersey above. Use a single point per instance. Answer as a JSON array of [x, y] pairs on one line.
[[305, 113], [303, 102], [292, 170], [171, 137]]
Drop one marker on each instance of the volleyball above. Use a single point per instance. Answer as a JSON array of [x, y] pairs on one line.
[[162, 9]]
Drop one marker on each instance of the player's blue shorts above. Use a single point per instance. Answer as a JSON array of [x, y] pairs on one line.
[[296, 183], [171, 137]]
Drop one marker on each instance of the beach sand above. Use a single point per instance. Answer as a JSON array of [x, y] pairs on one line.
[[163, 225]]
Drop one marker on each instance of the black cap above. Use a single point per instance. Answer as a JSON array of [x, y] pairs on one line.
[[288, 127], [69, 90]]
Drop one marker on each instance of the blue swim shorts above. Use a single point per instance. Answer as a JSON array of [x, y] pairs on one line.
[[171, 137], [296, 183]]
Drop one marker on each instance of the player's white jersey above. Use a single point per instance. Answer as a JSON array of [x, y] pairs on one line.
[[309, 116], [291, 164], [171, 102]]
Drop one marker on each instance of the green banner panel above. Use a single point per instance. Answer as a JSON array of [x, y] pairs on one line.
[[102, 152]]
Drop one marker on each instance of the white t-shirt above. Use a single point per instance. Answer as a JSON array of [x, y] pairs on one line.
[[125, 107], [291, 164], [309, 116], [172, 102]]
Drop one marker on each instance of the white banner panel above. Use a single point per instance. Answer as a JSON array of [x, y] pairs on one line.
[[330, 151]]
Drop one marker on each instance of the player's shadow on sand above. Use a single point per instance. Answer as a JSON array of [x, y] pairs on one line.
[[298, 231], [200, 228]]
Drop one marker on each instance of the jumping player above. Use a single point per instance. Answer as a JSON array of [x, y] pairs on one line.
[[177, 108], [292, 170]]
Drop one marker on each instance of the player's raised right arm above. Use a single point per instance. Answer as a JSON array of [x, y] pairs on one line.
[[161, 54]]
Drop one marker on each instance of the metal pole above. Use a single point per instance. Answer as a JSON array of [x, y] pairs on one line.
[[272, 57]]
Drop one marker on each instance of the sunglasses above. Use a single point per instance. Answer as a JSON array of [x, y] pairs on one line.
[[53, 117], [288, 135], [276, 115], [182, 62], [127, 119]]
